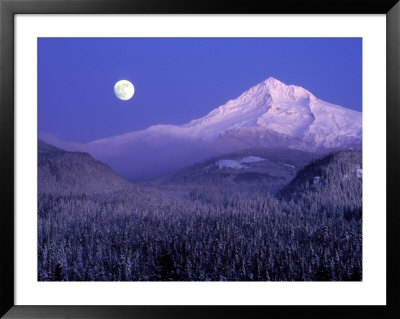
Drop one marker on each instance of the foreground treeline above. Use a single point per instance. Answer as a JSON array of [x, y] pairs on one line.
[[199, 234]]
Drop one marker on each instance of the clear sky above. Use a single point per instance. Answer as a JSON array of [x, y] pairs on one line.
[[177, 80]]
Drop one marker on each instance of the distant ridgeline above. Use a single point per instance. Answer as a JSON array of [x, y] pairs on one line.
[[253, 170]]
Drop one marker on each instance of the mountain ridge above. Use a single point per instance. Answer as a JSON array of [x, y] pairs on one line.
[[75, 173], [252, 170]]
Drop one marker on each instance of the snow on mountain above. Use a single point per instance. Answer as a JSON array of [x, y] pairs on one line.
[[289, 111], [229, 163], [267, 104], [270, 114], [286, 110], [224, 163], [288, 165], [252, 159]]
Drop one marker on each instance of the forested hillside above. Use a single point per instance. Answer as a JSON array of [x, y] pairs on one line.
[[67, 173], [259, 170], [174, 232], [330, 184]]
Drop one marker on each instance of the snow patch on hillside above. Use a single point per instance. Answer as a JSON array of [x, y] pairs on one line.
[[252, 159], [235, 164], [226, 163], [291, 166]]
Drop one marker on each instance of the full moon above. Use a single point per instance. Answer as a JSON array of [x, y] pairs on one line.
[[124, 90]]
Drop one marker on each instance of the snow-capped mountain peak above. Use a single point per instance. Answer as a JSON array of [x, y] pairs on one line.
[[267, 104], [270, 108], [273, 89], [270, 114], [275, 86]]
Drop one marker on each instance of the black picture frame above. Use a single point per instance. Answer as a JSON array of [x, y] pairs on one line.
[[8, 8]]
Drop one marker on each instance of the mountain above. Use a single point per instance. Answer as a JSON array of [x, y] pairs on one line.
[[74, 173], [252, 170], [332, 183], [274, 112], [268, 115]]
